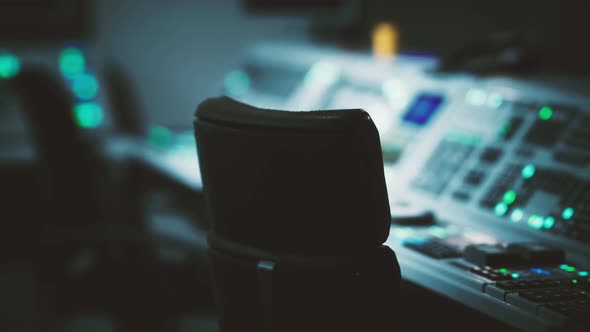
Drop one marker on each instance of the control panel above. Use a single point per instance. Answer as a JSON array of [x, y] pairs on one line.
[[488, 177]]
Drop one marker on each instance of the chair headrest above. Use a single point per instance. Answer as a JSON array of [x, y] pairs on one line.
[[293, 182]]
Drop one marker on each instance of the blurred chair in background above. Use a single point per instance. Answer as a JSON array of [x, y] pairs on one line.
[[91, 259]]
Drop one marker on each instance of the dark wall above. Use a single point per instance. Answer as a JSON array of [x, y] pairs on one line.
[[178, 50]]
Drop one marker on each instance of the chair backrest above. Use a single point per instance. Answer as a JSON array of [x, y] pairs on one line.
[[292, 182], [299, 212]]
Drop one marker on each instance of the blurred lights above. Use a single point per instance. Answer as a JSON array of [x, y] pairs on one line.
[[567, 213], [545, 113], [517, 215], [501, 209], [71, 61], [9, 65], [85, 86], [540, 271], [549, 222], [385, 40], [88, 115], [567, 268], [528, 171], [237, 83], [535, 221], [509, 197]]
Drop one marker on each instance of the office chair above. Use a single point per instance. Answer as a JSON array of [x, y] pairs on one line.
[[91, 258], [299, 212]]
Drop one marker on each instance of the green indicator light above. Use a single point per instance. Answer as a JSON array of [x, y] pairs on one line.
[[545, 113], [503, 270], [567, 213], [575, 281], [504, 130], [570, 269], [583, 273], [159, 136], [71, 61], [549, 222], [563, 266], [324, 73], [500, 209], [509, 197], [88, 115], [237, 83], [515, 275], [528, 171], [9, 65], [516, 215], [85, 86], [535, 221]]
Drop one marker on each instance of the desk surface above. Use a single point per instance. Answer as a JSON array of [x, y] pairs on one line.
[[179, 162]]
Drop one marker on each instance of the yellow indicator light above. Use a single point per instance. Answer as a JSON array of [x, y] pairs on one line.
[[385, 40]]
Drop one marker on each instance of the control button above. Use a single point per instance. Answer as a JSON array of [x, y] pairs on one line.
[[514, 285], [509, 129], [490, 155], [579, 138], [545, 133], [525, 152], [522, 302], [474, 177], [574, 313], [424, 218], [536, 254], [448, 157], [491, 255], [433, 248], [462, 196], [553, 295]]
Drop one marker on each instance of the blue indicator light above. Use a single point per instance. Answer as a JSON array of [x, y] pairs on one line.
[[423, 108], [540, 271]]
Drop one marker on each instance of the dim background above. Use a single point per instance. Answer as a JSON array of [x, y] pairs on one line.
[[175, 54], [178, 51]]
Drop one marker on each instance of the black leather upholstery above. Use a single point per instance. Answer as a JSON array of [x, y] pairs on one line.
[[293, 182], [299, 213]]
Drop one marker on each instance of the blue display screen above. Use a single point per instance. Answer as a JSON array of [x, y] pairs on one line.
[[423, 108]]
